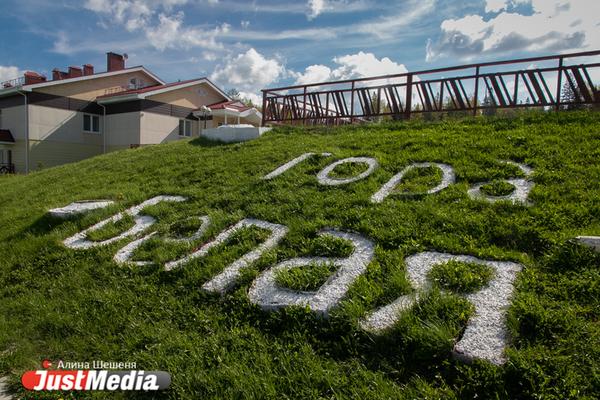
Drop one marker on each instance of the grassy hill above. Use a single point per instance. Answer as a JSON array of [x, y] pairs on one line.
[[78, 305]]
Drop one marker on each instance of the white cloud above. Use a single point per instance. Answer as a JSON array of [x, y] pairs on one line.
[[164, 28], [171, 33], [494, 5], [499, 5], [253, 97], [365, 64], [313, 74], [389, 27], [244, 24], [61, 44], [9, 72], [209, 56], [315, 7], [554, 25], [248, 72], [350, 66]]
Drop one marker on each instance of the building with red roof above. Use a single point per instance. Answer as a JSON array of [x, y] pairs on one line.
[[79, 113]]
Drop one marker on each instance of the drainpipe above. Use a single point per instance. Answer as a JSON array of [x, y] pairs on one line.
[[104, 128], [26, 132]]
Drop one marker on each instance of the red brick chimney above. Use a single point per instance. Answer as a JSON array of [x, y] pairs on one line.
[[33, 77], [114, 62], [75, 72], [88, 69], [57, 74]]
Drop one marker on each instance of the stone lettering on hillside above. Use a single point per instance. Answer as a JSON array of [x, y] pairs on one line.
[[268, 295], [486, 334], [223, 281], [141, 223], [448, 178], [324, 177], [519, 194]]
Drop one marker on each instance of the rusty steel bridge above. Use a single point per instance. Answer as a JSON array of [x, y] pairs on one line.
[[472, 88]]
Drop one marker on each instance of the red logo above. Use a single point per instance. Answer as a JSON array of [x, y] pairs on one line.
[[95, 380], [46, 364]]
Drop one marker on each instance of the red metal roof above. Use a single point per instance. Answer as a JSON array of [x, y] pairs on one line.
[[6, 136], [235, 104]]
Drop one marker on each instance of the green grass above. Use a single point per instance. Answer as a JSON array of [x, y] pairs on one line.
[[348, 170], [112, 229], [419, 180], [308, 278], [461, 277], [79, 305], [184, 228], [497, 188]]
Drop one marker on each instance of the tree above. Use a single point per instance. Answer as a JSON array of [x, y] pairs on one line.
[[233, 93], [568, 95], [488, 102]]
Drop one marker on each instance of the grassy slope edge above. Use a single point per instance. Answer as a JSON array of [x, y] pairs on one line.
[[78, 305]]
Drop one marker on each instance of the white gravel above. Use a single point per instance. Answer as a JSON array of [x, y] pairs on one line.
[[486, 335], [590, 241], [223, 281], [519, 194], [124, 255], [4, 394], [265, 292], [79, 207], [448, 178], [323, 175], [290, 164], [142, 222]]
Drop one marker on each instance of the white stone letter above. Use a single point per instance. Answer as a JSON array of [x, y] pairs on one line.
[[142, 222], [223, 281], [265, 292], [448, 178], [123, 256], [519, 194], [486, 335], [290, 164], [324, 179]]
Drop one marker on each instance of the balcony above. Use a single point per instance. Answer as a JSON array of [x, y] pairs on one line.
[[17, 82]]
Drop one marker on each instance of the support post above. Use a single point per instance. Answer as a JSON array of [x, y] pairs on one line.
[[476, 94], [304, 107], [408, 102], [559, 83], [352, 103], [264, 110]]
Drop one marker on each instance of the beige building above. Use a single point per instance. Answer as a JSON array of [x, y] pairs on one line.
[[80, 114]]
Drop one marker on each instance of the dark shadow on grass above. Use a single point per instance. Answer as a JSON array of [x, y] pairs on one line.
[[204, 142], [402, 354], [42, 226]]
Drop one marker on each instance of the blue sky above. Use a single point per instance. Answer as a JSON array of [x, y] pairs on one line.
[[250, 45]]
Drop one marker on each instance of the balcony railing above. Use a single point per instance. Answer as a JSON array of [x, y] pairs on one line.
[[7, 168], [551, 82], [17, 82]]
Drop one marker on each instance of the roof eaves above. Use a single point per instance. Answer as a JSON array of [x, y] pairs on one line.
[[117, 99], [28, 88]]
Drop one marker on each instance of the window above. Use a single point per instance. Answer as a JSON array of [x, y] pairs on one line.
[[135, 83], [91, 123], [5, 156], [185, 127]]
